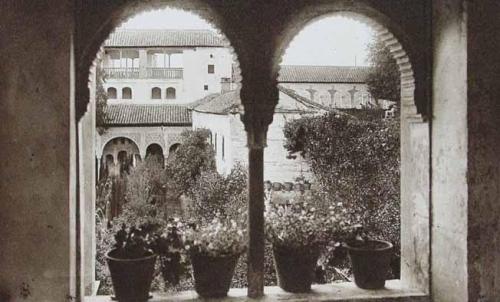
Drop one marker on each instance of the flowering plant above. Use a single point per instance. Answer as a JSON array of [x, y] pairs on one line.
[[216, 239], [148, 239], [307, 221]]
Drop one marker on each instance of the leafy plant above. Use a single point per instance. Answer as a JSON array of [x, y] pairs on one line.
[[308, 221], [384, 81], [101, 98], [213, 195], [194, 155], [217, 238], [355, 161], [149, 239]]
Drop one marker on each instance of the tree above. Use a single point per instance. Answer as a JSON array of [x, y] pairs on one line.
[[194, 155], [101, 99], [384, 81]]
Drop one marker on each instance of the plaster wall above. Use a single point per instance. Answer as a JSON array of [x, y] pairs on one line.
[[87, 171], [449, 153], [37, 198], [341, 97], [277, 167], [483, 169], [195, 76], [220, 127], [141, 91]]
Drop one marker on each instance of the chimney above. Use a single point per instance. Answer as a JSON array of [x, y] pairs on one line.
[[225, 85]]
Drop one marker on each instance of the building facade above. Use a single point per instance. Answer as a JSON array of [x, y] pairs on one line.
[[162, 82]]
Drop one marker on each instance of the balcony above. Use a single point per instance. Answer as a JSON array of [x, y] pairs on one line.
[[164, 73], [151, 73], [122, 73]]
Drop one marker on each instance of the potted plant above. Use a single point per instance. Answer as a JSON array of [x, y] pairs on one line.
[[370, 259], [132, 260], [214, 249], [298, 231]]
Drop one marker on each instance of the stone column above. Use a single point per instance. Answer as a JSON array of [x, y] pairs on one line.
[[143, 63], [259, 99]]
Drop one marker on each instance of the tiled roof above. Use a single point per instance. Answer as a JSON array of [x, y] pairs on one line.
[[230, 102], [154, 115], [323, 74], [164, 38], [219, 103]]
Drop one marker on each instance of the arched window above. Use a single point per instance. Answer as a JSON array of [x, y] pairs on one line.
[[170, 93], [111, 93], [156, 93], [127, 93]]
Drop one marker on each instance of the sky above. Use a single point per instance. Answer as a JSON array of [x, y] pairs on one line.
[[328, 41]]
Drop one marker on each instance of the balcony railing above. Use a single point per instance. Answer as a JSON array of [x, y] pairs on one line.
[[164, 73], [122, 73], [151, 73]]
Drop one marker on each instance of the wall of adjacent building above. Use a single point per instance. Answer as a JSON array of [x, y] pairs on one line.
[[277, 166], [341, 96], [142, 137], [188, 89]]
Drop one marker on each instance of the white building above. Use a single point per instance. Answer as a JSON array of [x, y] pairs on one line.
[[154, 75], [150, 76], [221, 114]]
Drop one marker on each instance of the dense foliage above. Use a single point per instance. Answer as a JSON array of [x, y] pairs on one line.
[[217, 196], [101, 98], [151, 192], [384, 81], [356, 163], [193, 156]]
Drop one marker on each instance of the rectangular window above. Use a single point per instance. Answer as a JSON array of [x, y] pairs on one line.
[[223, 147], [205, 87], [211, 68]]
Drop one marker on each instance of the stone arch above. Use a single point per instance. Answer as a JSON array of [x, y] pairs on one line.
[[173, 147], [401, 47], [111, 139], [122, 151], [121, 13], [155, 151], [415, 128]]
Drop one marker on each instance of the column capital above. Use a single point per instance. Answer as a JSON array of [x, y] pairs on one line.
[[259, 101]]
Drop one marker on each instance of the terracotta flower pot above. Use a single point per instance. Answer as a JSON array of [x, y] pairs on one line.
[[213, 275], [370, 262], [288, 186], [295, 268], [131, 277]]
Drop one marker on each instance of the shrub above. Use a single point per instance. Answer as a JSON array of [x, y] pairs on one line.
[[355, 162], [213, 195], [194, 155]]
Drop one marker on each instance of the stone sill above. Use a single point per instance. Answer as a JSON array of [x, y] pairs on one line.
[[348, 292]]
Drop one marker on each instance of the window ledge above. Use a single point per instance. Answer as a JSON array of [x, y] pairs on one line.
[[347, 291]]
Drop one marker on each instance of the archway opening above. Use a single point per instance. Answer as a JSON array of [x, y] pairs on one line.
[[350, 92], [155, 151], [156, 63]]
